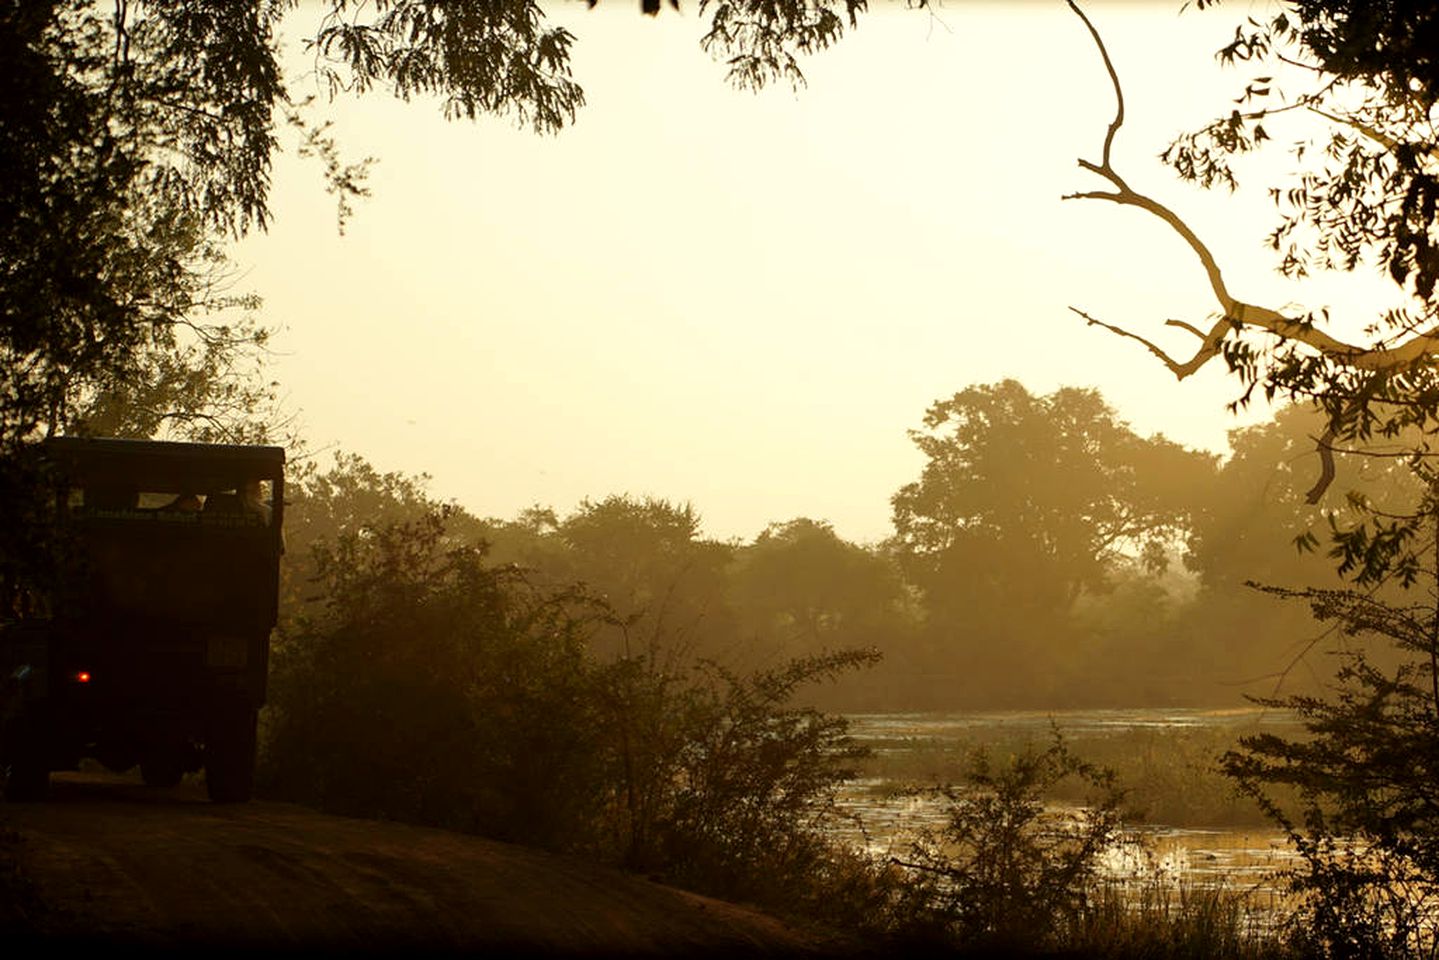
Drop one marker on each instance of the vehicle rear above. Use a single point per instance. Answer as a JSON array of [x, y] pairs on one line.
[[155, 649]]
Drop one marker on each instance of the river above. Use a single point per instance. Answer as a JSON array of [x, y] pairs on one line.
[[912, 748]]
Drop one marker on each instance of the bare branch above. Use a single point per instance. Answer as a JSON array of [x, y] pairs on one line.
[[1180, 370], [1185, 326], [1118, 120], [1235, 313]]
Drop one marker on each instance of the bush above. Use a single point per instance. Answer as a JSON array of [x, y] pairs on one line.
[[720, 781], [434, 689], [1364, 776], [1005, 871]]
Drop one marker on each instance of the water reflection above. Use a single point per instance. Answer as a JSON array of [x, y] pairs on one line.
[[901, 729], [886, 818]]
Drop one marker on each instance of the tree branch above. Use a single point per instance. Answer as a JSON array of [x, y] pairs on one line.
[[1235, 315], [1180, 370], [1185, 326], [1385, 141], [1235, 311], [1118, 120], [1325, 446]]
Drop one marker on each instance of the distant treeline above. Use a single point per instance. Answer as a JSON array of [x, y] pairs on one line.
[[1047, 557]]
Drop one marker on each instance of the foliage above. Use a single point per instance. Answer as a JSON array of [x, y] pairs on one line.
[[1042, 495], [1258, 503], [803, 589], [761, 42], [437, 688], [1154, 920], [1255, 524], [665, 583], [119, 162], [479, 58], [136, 140], [1006, 871], [1027, 510], [1371, 195], [1350, 85], [325, 506], [434, 689], [721, 783], [753, 779], [129, 143], [1365, 820]]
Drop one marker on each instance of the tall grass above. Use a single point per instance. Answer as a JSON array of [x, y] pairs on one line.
[[1171, 774], [1153, 918]]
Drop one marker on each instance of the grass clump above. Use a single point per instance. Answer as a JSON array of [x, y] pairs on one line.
[[1010, 873]]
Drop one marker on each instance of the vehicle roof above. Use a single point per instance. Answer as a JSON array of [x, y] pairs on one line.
[[168, 464]]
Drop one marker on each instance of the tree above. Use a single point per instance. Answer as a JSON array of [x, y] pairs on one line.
[[434, 688], [130, 144], [800, 590], [1364, 192], [1364, 821], [1245, 529], [136, 138], [131, 141], [1005, 872], [1024, 506], [1037, 496], [666, 585], [805, 590], [1250, 520], [353, 499]]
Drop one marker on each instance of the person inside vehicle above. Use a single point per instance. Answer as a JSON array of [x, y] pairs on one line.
[[252, 502]]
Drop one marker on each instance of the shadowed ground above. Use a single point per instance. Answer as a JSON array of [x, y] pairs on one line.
[[108, 860]]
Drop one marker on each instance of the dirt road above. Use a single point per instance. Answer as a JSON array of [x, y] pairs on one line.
[[111, 861]]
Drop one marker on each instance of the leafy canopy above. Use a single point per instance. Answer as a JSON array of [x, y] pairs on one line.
[[1042, 494], [1351, 86], [136, 140]]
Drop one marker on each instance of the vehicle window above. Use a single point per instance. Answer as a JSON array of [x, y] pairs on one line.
[[243, 504]]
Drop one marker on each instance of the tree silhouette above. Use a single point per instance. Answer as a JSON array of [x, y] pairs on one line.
[[1038, 496], [1364, 194]]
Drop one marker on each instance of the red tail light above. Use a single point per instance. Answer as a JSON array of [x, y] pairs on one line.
[[83, 676]]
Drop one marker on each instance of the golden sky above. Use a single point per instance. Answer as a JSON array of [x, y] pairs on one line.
[[745, 301]]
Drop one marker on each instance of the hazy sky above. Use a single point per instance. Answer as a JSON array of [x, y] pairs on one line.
[[746, 301]]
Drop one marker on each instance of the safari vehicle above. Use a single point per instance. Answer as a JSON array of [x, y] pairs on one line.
[[156, 642]]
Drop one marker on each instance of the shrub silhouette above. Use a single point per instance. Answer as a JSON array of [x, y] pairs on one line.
[[434, 688]]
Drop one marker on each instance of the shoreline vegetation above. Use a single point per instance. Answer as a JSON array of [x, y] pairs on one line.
[[1167, 777], [1167, 761]]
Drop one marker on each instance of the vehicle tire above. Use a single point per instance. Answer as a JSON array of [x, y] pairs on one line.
[[162, 770], [230, 755]]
